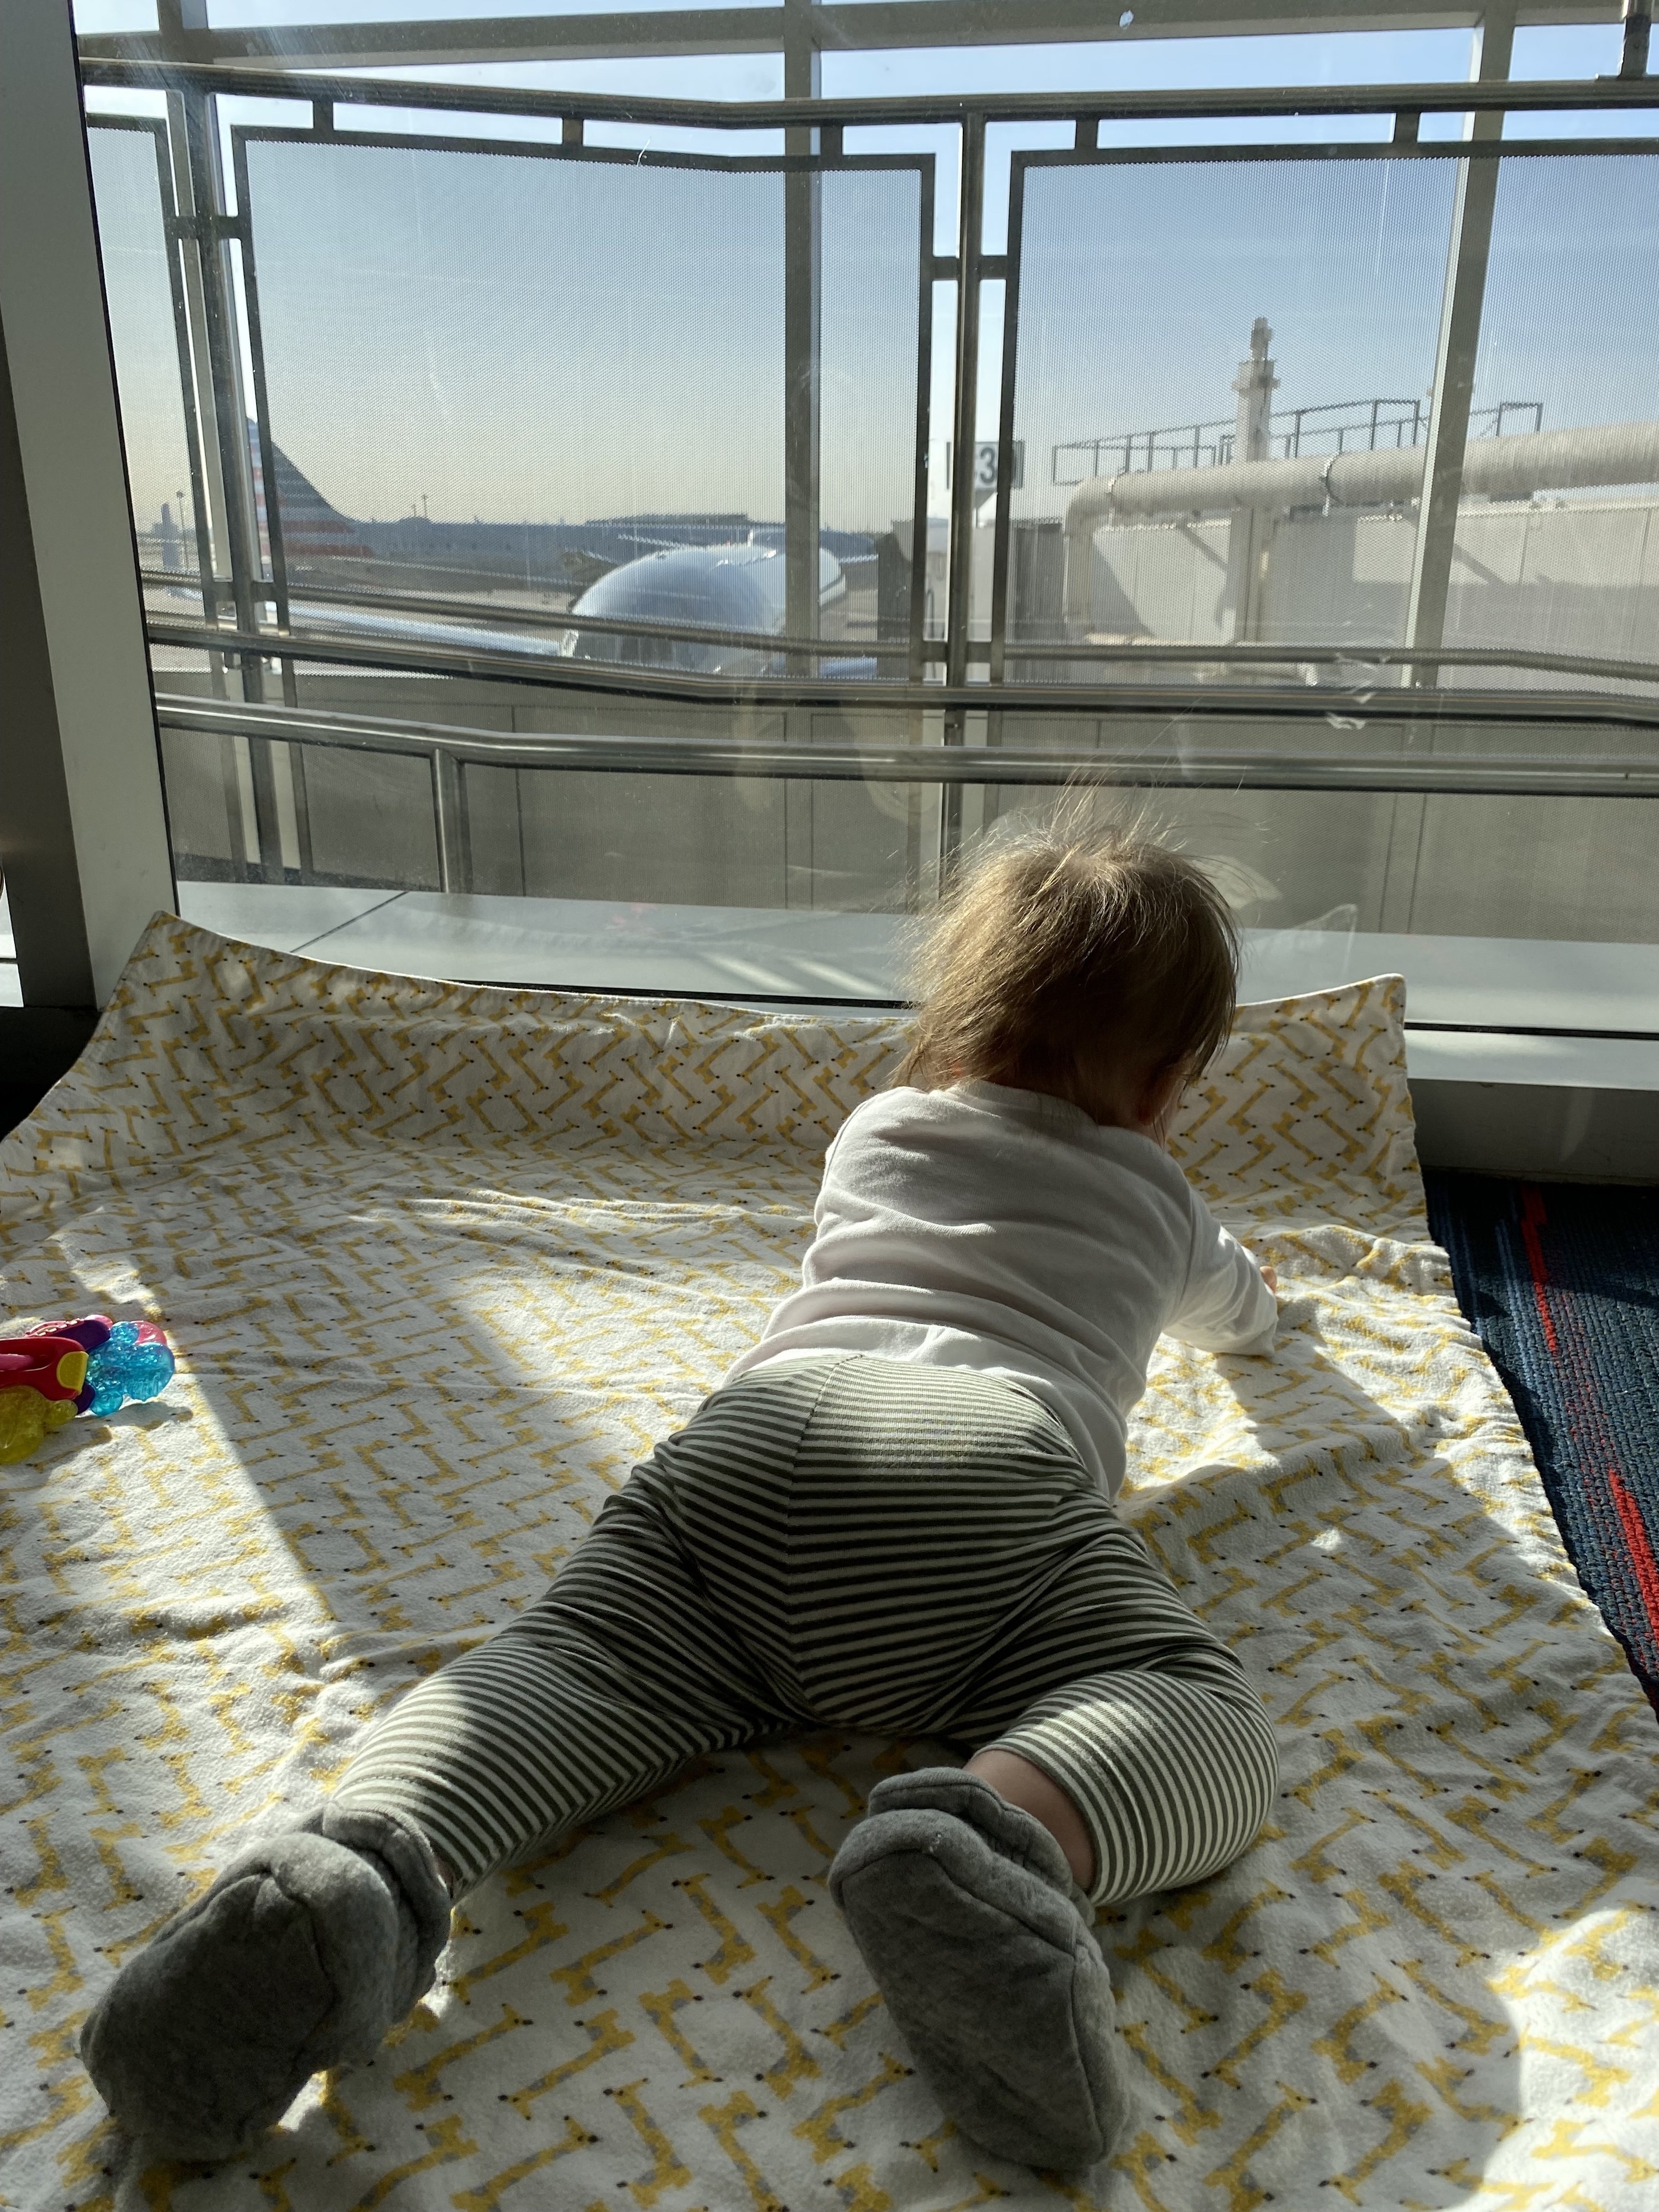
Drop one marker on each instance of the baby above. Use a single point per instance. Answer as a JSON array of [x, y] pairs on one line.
[[895, 1515]]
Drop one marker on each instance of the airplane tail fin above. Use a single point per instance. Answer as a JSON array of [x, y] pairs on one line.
[[312, 530]]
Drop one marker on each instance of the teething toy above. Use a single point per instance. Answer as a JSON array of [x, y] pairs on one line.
[[60, 1369]]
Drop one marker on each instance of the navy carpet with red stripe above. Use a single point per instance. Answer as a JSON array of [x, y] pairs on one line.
[[1562, 1282]]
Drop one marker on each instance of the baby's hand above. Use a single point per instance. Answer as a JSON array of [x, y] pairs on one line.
[[1270, 1277]]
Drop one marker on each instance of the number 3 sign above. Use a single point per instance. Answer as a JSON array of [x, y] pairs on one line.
[[985, 468]]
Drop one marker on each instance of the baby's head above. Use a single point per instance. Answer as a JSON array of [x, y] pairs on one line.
[[1102, 968]]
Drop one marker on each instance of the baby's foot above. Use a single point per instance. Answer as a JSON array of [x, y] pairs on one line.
[[300, 1956], [963, 1907]]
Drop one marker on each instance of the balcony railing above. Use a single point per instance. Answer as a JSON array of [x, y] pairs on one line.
[[965, 624], [1333, 426]]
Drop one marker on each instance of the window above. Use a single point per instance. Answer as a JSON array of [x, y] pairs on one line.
[[597, 539]]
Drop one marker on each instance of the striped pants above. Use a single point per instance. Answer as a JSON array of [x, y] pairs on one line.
[[857, 1542]]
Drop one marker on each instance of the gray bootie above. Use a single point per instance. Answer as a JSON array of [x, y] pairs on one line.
[[964, 1909], [300, 1956]]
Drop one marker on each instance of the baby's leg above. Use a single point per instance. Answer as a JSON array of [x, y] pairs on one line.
[[1121, 1695], [620, 1675], [1018, 1783], [311, 1945], [1168, 1771], [1153, 1761]]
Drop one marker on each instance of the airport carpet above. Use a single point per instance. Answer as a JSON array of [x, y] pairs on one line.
[[1561, 1283], [441, 1263]]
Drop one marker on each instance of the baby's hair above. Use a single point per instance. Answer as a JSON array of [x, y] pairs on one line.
[[1072, 962]]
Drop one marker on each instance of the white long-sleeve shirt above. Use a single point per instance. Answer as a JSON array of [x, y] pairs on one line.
[[1005, 1231]]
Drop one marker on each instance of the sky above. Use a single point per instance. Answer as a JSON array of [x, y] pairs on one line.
[[603, 338], [512, 339]]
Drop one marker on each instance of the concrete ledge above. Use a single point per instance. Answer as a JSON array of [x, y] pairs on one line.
[[1553, 1135], [1583, 1109]]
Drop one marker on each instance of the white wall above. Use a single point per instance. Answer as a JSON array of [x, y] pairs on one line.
[[1569, 576]]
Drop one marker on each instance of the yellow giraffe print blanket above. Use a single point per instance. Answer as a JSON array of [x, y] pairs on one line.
[[439, 1263]]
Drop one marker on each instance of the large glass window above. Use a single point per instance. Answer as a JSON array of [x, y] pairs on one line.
[[1179, 322], [592, 540]]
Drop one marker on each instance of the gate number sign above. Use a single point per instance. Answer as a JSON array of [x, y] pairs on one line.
[[985, 468]]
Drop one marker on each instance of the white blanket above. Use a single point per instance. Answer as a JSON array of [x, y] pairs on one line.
[[441, 1263]]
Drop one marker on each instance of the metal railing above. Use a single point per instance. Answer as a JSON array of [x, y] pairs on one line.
[[1360, 426], [259, 623], [1407, 103], [1313, 766]]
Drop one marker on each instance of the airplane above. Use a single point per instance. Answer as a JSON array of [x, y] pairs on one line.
[[709, 571], [735, 586]]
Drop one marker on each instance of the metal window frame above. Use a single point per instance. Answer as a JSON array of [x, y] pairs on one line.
[[814, 137], [1461, 307], [153, 128], [959, 649], [871, 26], [827, 162], [304, 82], [970, 268], [1423, 652], [195, 354]]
